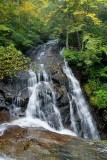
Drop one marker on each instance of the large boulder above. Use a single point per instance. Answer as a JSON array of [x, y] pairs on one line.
[[39, 144]]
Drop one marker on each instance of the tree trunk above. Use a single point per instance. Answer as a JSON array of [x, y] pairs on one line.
[[19, 9], [67, 38], [78, 38], [67, 32]]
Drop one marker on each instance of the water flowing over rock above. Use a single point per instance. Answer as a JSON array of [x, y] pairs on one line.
[[47, 99], [81, 119], [42, 102], [52, 96]]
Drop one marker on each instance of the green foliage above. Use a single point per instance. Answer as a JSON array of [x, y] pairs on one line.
[[101, 96], [90, 87], [88, 56], [103, 74], [22, 23], [5, 34], [11, 61], [20, 40], [21, 26], [74, 57], [99, 99], [97, 93], [88, 22], [91, 60]]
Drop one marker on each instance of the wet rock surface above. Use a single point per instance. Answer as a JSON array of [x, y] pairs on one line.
[[39, 144], [54, 68], [14, 94], [4, 116]]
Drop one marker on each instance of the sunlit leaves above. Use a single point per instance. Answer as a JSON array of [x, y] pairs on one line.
[[11, 61], [95, 20]]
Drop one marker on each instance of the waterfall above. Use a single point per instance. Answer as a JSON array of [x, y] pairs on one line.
[[82, 122], [42, 103], [42, 109]]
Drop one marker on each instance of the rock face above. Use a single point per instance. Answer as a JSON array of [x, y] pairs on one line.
[[4, 116], [14, 93], [39, 144]]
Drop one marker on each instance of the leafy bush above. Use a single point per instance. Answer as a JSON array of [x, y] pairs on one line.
[[20, 39], [74, 57], [11, 61], [87, 57], [103, 74], [90, 87], [97, 93], [101, 96], [5, 35]]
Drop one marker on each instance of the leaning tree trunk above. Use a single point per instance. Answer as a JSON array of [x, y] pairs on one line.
[[67, 38], [67, 32]]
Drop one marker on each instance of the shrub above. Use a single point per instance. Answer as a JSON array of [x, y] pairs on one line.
[[11, 61], [101, 96]]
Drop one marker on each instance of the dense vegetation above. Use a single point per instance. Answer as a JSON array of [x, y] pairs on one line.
[[80, 25], [21, 26], [86, 45]]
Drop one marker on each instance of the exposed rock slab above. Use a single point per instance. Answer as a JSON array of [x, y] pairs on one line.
[[38, 144]]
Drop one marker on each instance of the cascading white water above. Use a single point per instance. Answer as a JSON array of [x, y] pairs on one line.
[[81, 120], [42, 103], [3, 157], [42, 110]]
